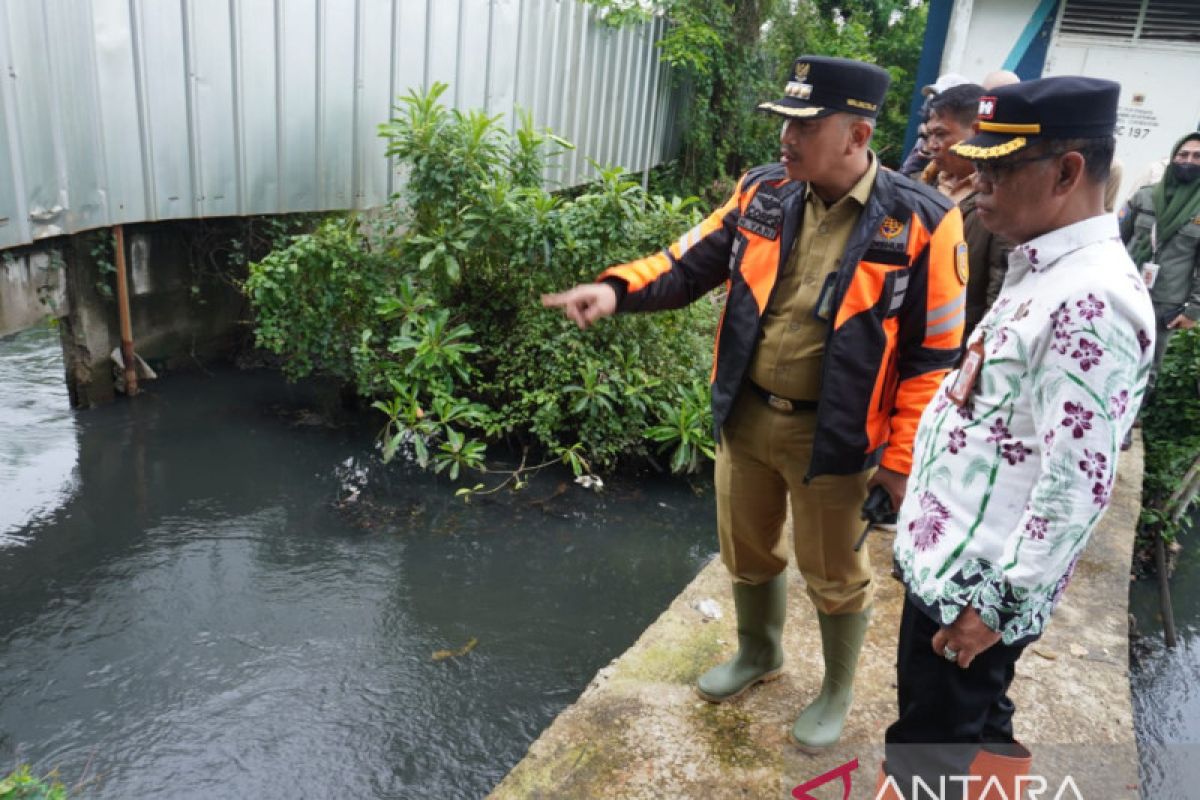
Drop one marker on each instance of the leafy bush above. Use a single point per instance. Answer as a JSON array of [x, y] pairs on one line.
[[21, 784], [432, 310], [730, 55], [1171, 431]]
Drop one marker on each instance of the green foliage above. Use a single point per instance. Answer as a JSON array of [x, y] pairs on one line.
[[883, 32], [315, 298], [21, 784], [102, 255], [215, 252], [432, 311], [1171, 431], [684, 427], [731, 55]]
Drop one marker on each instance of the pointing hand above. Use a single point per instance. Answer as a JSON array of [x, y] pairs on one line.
[[585, 303]]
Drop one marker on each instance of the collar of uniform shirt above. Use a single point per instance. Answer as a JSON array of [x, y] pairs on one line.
[[957, 189], [860, 192], [1045, 251]]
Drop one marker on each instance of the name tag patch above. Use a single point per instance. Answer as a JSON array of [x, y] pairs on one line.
[[764, 215]]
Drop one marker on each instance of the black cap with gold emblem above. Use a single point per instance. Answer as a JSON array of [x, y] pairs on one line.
[[822, 85], [1016, 116]]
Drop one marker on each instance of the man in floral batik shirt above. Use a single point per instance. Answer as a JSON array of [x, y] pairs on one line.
[[1015, 458]]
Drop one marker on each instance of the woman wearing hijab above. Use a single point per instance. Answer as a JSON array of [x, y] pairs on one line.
[[1160, 226]]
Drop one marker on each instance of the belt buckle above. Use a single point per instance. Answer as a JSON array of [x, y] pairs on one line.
[[780, 403]]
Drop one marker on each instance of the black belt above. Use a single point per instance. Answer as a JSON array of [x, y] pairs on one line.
[[782, 403]]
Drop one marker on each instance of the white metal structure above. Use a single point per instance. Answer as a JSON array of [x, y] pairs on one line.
[[1150, 47], [115, 111]]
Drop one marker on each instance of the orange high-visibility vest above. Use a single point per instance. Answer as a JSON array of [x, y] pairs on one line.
[[899, 299]]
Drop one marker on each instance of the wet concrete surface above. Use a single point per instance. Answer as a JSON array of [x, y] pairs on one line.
[[640, 731]]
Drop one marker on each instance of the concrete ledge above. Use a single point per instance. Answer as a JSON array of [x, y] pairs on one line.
[[31, 287], [639, 731]]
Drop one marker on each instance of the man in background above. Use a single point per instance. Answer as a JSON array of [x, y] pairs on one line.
[[951, 117], [918, 158], [999, 77]]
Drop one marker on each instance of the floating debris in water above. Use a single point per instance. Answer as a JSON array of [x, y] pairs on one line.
[[708, 608], [442, 655], [590, 482]]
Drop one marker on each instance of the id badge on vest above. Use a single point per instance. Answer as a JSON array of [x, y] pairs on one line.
[[968, 372], [1149, 274], [824, 308]]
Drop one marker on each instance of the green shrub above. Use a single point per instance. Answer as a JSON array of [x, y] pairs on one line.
[[730, 55], [315, 296], [21, 784], [432, 310], [1171, 431]]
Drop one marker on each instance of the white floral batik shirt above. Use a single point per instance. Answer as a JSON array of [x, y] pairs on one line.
[[1006, 489]]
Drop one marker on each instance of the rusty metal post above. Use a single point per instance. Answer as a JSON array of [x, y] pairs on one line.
[[131, 385]]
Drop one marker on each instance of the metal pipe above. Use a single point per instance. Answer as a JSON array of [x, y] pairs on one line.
[[131, 385]]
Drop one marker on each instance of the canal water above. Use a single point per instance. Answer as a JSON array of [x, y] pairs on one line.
[[1166, 682], [215, 590]]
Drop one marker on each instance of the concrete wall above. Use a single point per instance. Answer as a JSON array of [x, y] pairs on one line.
[[31, 287], [185, 307], [982, 35], [1158, 101]]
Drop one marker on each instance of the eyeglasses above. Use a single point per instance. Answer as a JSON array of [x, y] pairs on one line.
[[997, 171]]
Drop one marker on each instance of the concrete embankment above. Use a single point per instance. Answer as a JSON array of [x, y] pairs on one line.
[[638, 730]]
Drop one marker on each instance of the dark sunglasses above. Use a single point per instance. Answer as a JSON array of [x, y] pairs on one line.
[[997, 171]]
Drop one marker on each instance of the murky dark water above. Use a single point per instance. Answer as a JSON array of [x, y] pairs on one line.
[[1166, 683], [190, 608]]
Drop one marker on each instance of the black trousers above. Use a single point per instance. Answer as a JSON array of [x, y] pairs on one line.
[[946, 713]]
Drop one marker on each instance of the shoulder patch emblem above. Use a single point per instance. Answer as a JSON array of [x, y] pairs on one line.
[[892, 236], [1196, 220], [1124, 212], [891, 227], [962, 266]]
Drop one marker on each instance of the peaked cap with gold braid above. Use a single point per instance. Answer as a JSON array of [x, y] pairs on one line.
[[822, 85], [1016, 116]]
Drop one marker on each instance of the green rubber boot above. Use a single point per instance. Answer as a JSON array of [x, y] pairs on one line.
[[820, 725], [760, 613]]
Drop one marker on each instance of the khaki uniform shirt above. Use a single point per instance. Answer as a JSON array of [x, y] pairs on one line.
[[787, 361], [957, 189]]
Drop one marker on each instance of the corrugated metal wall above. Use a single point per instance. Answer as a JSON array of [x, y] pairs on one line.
[[129, 110]]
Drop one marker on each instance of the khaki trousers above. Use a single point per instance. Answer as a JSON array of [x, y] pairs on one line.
[[762, 458]]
